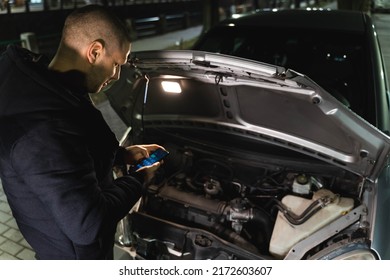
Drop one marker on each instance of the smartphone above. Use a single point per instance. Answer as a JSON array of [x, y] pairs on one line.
[[155, 156]]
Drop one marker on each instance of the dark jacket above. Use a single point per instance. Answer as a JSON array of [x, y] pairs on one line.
[[56, 158]]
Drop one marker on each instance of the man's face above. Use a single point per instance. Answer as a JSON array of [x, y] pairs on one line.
[[108, 68]]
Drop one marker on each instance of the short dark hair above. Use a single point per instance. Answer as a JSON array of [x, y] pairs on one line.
[[94, 20]]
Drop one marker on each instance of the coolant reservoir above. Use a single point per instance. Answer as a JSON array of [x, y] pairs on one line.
[[285, 235]]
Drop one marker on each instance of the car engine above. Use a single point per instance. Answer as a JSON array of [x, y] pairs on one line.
[[218, 206]]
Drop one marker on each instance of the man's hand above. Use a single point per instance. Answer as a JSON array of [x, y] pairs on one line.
[[137, 152], [149, 172]]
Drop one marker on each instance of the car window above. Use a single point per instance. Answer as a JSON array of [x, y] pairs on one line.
[[336, 61]]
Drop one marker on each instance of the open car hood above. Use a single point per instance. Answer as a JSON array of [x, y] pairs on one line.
[[256, 100]]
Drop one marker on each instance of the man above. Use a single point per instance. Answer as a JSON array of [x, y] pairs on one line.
[[56, 151]]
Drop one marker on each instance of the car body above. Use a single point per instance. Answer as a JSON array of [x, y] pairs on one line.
[[337, 49], [380, 5], [263, 163]]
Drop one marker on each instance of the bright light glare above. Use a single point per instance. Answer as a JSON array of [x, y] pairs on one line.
[[171, 87]]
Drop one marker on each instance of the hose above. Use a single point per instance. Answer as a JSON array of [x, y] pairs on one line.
[[312, 209]]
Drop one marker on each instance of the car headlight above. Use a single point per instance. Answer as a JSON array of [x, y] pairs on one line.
[[347, 250], [361, 254]]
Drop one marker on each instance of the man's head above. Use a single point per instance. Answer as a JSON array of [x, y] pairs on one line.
[[94, 43]]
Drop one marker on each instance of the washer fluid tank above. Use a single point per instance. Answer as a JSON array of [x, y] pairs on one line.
[[285, 234]]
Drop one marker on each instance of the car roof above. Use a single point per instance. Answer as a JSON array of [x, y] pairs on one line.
[[351, 21]]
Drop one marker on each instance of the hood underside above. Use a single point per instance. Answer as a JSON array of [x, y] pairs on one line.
[[259, 101]]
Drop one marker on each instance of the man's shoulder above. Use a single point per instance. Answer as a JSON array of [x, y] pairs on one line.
[[17, 52]]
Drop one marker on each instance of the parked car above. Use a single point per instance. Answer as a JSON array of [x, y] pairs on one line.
[[337, 49], [263, 164], [380, 5]]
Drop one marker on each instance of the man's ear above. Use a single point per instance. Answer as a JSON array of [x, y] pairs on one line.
[[95, 51]]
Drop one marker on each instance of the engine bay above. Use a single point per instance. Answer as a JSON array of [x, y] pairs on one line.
[[206, 205]]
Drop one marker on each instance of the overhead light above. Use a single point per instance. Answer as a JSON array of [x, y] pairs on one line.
[[171, 86]]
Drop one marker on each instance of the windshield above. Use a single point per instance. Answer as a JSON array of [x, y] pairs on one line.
[[336, 61]]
